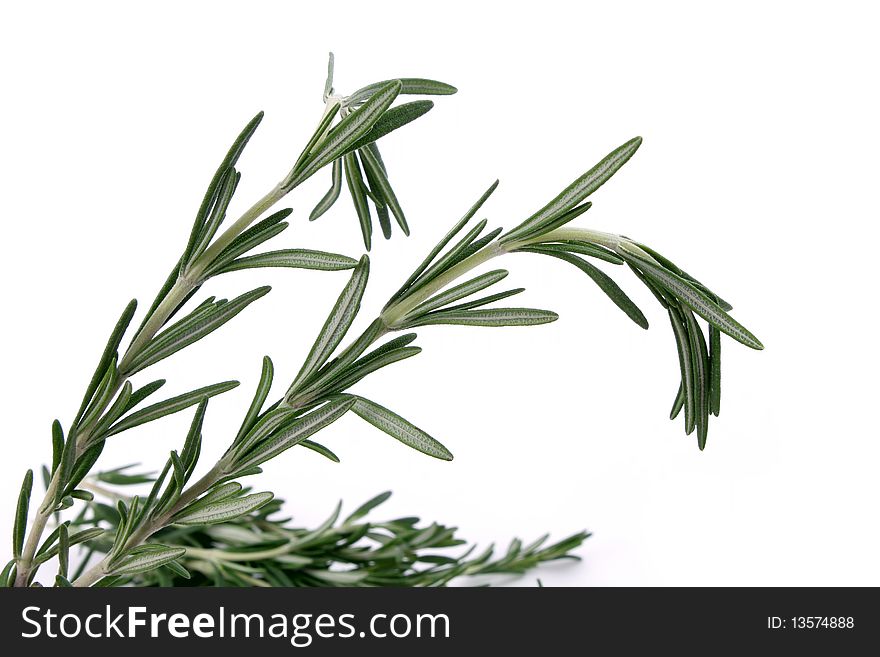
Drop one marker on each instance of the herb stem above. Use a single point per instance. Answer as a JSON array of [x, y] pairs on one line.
[[101, 569]]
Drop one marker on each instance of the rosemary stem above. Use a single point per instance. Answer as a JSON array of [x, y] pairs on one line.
[[101, 569]]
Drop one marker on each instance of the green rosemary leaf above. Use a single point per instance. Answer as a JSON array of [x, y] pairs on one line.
[[694, 298], [211, 194], [103, 394], [320, 449], [678, 404], [337, 324], [115, 411], [170, 406], [394, 118], [74, 539], [177, 569], [442, 244], [57, 444], [396, 427], [685, 361], [332, 194], [605, 283], [675, 269], [145, 559], [298, 258], [228, 185], [118, 477], [223, 510], [472, 286], [108, 355], [578, 190], [583, 248], [7, 576], [320, 132], [345, 134], [375, 171], [476, 303], [217, 494], [492, 317], [294, 433], [715, 371], [21, 514], [141, 394], [700, 355], [553, 223], [267, 375], [408, 86], [367, 506], [265, 425], [356, 188], [369, 364], [457, 253], [192, 445], [656, 291], [63, 551], [193, 328], [374, 191], [250, 239], [475, 246]]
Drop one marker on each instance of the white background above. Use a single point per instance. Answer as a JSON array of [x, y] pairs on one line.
[[758, 173]]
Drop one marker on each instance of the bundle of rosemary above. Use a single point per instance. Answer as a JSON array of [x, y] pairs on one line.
[[213, 530]]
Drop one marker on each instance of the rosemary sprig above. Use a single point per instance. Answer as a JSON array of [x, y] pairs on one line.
[[208, 253], [262, 549], [320, 392]]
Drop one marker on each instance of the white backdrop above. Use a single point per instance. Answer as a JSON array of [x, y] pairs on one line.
[[758, 174]]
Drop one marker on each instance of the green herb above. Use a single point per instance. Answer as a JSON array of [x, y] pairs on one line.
[[213, 530]]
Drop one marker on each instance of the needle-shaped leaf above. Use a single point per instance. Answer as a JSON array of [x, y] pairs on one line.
[[558, 221], [367, 365], [461, 291], [213, 188], [250, 239], [267, 375], [63, 550], [678, 403], [169, 406], [145, 558], [223, 510], [193, 328], [700, 356], [338, 322], [408, 86], [715, 371], [57, 444], [19, 529], [332, 194], [601, 279], [103, 394], [399, 428], [368, 506], [582, 248], [456, 229], [318, 448], [456, 254], [685, 361], [694, 298], [116, 410], [483, 301], [294, 432], [296, 258], [346, 133], [578, 190], [357, 189], [375, 171], [141, 394], [490, 317], [108, 355], [394, 118], [49, 550]]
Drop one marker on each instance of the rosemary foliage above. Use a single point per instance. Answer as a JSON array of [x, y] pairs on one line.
[[162, 535]]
